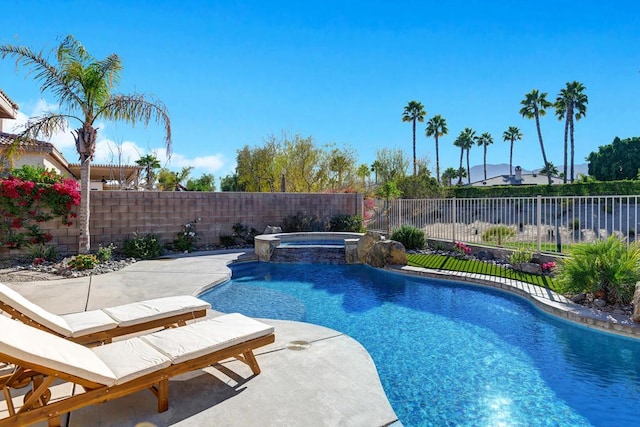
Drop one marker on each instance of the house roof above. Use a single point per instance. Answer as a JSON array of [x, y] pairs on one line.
[[98, 172], [8, 108], [525, 179]]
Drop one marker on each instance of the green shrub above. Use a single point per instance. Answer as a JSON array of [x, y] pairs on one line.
[[186, 239], [83, 262], [606, 268], [411, 237], [226, 240], [105, 253], [242, 231], [146, 247], [301, 222], [497, 234], [346, 223], [520, 256]]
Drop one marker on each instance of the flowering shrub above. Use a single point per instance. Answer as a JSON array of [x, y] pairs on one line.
[[186, 239], [105, 252], [462, 248], [24, 204], [548, 267], [83, 262]]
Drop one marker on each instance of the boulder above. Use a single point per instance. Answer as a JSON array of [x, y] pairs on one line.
[[387, 252], [366, 242], [528, 267], [578, 298], [635, 316], [485, 256], [271, 229]]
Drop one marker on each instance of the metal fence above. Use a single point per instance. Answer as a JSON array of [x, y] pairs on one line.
[[541, 224]]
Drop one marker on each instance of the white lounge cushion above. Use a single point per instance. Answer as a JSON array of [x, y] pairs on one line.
[[34, 346], [198, 339], [131, 358], [131, 314], [33, 311], [88, 322]]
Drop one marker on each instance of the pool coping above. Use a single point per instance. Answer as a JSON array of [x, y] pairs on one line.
[[542, 298]]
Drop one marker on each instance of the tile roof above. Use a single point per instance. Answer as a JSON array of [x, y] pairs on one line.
[[13, 104], [7, 138]]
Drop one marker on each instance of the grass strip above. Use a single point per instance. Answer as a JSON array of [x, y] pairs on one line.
[[448, 263]]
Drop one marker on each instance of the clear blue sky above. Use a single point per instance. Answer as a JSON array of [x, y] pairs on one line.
[[233, 72]]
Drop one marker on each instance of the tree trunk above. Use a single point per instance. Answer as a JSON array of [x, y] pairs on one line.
[[566, 132], [485, 162], [85, 194], [437, 160], [511, 159], [570, 117], [544, 155], [468, 170], [460, 169], [414, 147]]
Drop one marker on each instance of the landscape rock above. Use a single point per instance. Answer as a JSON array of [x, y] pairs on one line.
[[635, 316], [272, 229], [599, 302], [485, 256], [387, 252], [365, 244], [528, 267], [579, 298]]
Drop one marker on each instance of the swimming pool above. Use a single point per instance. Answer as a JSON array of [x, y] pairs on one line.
[[452, 354]]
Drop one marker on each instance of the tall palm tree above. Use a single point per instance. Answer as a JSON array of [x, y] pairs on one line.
[[534, 105], [414, 111], [83, 86], [484, 141], [512, 134], [465, 141], [436, 127], [150, 163], [571, 103]]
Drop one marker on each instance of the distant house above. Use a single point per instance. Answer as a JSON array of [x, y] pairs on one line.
[[45, 154], [518, 179]]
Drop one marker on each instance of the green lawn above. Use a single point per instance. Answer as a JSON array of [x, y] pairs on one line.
[[441, 262]]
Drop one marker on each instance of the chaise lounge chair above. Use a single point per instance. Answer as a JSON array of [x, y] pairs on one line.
[[117, 369], [100, 326]]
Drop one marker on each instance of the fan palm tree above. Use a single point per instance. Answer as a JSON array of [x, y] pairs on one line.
[[436, 127], [465, 141], [450, 173], [414, 111], [484, 141], [534, 105], [550, 170], [512, 134], [571, 103], [83, 86], [150, 163]]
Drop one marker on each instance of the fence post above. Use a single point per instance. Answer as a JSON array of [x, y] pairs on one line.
[[539, 222], [454, 210]]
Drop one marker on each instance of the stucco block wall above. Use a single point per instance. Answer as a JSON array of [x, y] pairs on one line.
[[118, 215]]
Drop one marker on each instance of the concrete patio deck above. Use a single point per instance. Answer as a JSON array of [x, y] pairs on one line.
[[332, 382]]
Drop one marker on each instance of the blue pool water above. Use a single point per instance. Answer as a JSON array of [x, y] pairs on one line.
[[450, 354]]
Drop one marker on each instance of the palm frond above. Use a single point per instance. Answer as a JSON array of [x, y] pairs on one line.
[[137, 108]]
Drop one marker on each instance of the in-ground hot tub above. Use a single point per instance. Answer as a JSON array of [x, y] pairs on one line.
[[266, 244]]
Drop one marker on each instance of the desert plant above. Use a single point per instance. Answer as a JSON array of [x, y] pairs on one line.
[[43, 253], [145, 247], [497, 234], [607, 268], [346, 223], [83, 262], [242, 231], [411, 237], [105, 253]]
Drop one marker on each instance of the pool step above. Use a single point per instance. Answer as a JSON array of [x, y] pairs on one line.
[[309, 254]]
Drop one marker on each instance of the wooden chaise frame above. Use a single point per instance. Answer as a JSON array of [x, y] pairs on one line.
[[37, 407], [108, 335]]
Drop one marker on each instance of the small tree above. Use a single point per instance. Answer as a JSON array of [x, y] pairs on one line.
[[388, 191]]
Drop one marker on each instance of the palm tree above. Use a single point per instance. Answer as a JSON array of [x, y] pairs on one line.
[[571, 103], [465, 141], [512, 134], [150, 164], [550, 170], [534, 105], [484, 141], [412, 112], [83, 86], [436, 127], [449, 174]]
